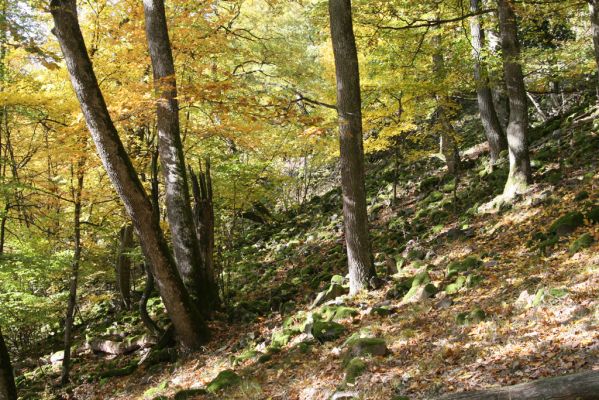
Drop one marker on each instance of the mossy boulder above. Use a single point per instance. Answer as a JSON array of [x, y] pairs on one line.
[[473, 317], [360, 347], [421, 288], [455, 287], [381, 311], [583, 242], [355, 367], [224, 380], [400, 288], [280, 338], [331, 293], [567, 224], [456, 267], [324, 331], [336, 313], [337, 280]]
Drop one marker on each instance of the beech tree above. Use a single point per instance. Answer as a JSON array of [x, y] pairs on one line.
[[488, 115], [178, 206], [349, 108], [190, 326], [520, 175]]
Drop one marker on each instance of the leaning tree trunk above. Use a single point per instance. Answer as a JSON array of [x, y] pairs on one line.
[[349, 105], [582, 386], [70, 317], [185, 245], [148, 322], [520, 175], [123, 265], [8, 390], [488, 115], [204, 222], [189, 324]]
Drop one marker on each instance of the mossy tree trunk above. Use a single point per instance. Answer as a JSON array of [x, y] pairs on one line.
[[349, 107], [123, 265]]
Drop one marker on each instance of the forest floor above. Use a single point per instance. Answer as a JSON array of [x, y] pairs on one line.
[[514, 296]]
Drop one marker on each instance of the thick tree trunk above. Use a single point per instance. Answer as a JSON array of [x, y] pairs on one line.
[[349, 104], [70, 317], [123, 265], [594, 13], [178, 207], [488, 114], [189, 324], [8, 390], [520, 175], [204, 222], [582, 386]]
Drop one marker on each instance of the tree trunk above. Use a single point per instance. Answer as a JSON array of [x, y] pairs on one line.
[[123, 265], [8, 390], [189, 324], [185, 245], [582, 386], [349, 104], [70, 317], [447, 143], [143, 305], [204, 222], [594, 13], [488, 115], [520, 175]]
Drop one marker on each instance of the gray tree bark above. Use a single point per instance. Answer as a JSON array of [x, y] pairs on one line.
[[520, 175], [488, 115], [349, 104], [190, 326], [178, 206], [8, 390], [582, 386]]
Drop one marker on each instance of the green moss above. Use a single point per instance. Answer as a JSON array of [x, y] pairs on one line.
[[189, 394], [466, 264], [473, 317], [335, 313], [593, 215], [281, 338], [583, 242], [325, 331], [337, 280], [456, 286], [225, 379], [355, 367], [567, 224]]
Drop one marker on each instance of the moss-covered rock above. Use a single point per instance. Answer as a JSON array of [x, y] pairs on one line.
[[360, 347], [336, 313], [583, 242], [225, 379], [567, 224], [381, 311], [355, 367], [280, 338], [473, 317], [455, 267], [324, 331], [455, 287]]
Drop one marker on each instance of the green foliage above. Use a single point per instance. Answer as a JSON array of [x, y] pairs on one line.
[[225, 379]]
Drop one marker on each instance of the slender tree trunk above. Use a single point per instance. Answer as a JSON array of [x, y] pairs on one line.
[[520, 175], [8, 390], [188, 322], [185, 245], [70, 317], [123, 265], [447, 143], [349, 103], [488, 114], [594, 13], [143, 305]]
